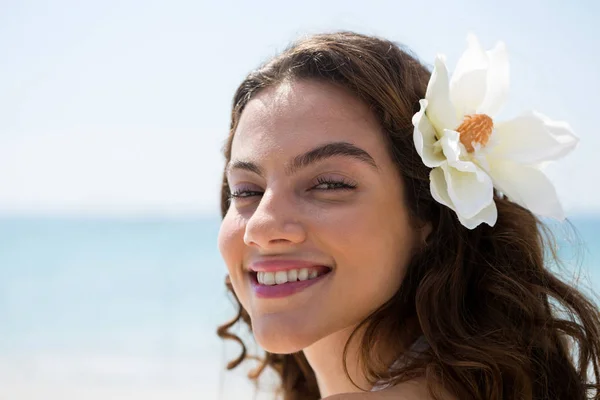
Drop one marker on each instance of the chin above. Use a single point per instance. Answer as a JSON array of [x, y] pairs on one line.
[[280, 338]]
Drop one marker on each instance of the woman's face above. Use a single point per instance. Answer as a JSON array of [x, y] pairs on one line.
[[317, 235]]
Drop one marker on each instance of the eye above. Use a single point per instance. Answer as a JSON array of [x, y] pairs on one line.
[[243, 194], [333, 184]]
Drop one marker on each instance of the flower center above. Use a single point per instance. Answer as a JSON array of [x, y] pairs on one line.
[[476, 128]]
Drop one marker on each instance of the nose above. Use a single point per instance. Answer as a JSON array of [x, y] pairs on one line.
[[275, 222]]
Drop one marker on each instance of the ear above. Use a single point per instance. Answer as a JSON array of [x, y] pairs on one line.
[[424, 231]]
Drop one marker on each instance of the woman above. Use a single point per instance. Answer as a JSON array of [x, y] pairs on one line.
[[380, 246]]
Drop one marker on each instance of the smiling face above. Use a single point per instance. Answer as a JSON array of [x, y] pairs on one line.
[[314, 188]]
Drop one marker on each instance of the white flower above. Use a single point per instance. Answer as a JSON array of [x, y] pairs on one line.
[[471, 153]]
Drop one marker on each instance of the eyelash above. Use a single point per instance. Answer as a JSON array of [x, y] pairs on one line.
[[339, 184], [332, 183]]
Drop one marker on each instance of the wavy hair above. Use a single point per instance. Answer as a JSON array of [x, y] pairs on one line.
[[499, 323]]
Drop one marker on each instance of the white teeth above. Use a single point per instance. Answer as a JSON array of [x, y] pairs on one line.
[[303, 274], [268, 278], [281, 277], [292, 275]]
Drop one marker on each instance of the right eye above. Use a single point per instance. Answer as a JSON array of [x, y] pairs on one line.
[[243, 194]]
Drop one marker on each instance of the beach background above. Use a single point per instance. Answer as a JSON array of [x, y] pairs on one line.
[[112, 117], [128, 308]]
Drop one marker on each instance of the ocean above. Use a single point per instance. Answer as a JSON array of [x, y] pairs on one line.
[[96, 308]]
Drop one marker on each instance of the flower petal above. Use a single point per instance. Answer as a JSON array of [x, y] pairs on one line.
[[456, 153], [439, 191], [469, 81], [470, 192], [527, 186], [425, 138], [488, 215], [440, 110], [533, 138], [451, 145], [497, 82]]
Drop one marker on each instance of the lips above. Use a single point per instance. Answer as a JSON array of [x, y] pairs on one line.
[[291, 275], [281, 278]]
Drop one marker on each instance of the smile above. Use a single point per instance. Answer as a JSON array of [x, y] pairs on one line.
[[290, 275], [282, 283]]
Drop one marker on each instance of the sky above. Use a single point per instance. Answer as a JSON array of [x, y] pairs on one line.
[[122, 106]]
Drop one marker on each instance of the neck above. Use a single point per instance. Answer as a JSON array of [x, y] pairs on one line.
[[326, 359]]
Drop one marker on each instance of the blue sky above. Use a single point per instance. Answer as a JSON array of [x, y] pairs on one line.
[[122, 106]]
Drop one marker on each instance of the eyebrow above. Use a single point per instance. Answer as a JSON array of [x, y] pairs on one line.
[[335, 149]]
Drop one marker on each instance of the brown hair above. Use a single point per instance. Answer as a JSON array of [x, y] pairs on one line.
[[498, 323]]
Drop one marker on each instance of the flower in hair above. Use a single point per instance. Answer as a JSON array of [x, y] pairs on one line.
[[471, 153]]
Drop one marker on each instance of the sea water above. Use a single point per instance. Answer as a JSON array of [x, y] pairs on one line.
[[128, 308]]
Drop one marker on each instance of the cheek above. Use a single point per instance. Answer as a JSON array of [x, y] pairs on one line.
[[373, 250], [231, 246], [228, 233]]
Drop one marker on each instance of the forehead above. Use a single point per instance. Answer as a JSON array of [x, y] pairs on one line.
[[300, 115]]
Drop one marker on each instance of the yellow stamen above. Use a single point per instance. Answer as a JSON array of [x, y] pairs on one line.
[[476, 128]]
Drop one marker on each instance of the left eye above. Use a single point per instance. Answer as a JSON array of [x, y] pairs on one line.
[[330, 184]]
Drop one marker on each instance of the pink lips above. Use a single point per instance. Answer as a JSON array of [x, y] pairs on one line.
[[284, 289]]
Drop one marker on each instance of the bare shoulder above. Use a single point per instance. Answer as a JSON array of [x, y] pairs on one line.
[[411, 390]]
